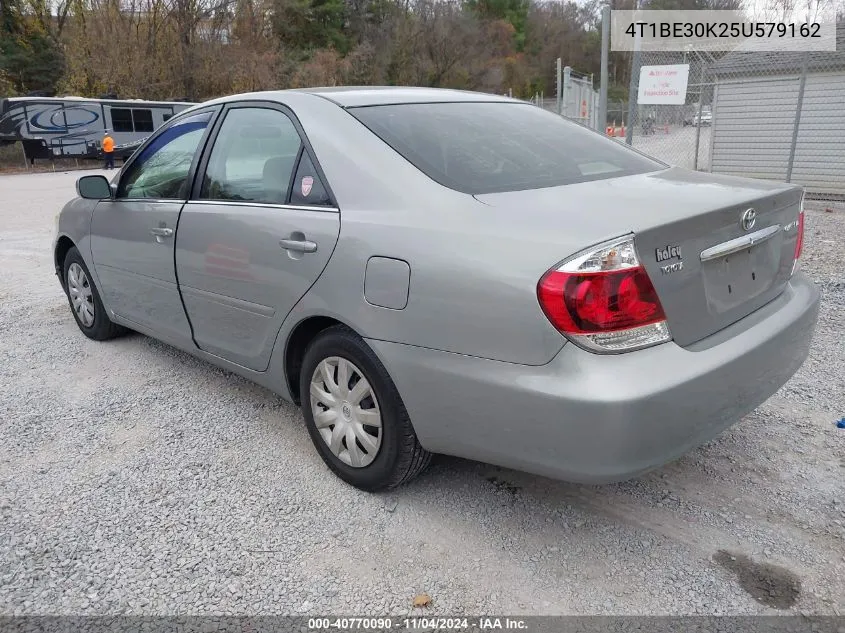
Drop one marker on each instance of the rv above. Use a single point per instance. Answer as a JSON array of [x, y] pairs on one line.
[[74, 127]]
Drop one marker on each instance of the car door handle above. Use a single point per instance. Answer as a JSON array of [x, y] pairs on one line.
[[161, 232], [299, 246]]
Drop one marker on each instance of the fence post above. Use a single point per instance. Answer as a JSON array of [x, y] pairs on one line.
[[558, 83], [632, 88], [567, 87], [698, 119], [605, 50], [795, 125]]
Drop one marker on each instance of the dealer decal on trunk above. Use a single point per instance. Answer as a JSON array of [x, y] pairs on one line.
[[665, 254]]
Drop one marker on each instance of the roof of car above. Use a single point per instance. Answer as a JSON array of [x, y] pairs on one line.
[[356, 96], [353, 96]]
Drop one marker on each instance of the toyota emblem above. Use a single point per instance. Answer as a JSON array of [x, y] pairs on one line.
[[749, 217]]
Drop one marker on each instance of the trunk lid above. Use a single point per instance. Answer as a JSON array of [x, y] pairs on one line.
[[709, 267]]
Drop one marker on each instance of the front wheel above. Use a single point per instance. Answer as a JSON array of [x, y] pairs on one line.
[[84, 299], [354, 414]]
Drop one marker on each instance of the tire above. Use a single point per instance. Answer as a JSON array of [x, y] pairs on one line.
[[399, 456], [92, 320]]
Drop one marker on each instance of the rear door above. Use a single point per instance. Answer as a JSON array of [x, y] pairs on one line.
[[132, 235], [256, 235]]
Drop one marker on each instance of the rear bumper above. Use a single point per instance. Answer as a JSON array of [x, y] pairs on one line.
[[599, 418]]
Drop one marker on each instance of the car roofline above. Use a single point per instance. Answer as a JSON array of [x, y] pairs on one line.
[[354, 96]]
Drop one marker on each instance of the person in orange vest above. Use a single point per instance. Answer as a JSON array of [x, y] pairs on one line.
[[108, 151]]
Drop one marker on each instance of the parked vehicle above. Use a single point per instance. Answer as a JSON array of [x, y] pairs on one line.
[[74, 127], [704, 119], [542, 298]]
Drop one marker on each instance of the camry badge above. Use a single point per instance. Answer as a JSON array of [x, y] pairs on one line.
[[748, 219]]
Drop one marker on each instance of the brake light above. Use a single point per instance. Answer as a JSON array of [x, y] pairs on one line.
[[603, 300], [799, 244], [799, 241]]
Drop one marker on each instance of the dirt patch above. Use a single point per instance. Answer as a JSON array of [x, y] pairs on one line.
[[504, 485], [768, 584]]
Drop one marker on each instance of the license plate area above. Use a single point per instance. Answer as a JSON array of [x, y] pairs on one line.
[[737, 278]]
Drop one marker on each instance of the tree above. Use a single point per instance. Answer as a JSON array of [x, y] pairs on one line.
[[310, 24], [514, 12], [29, 58]]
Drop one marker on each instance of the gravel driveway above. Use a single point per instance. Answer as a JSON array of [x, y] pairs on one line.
[[136, 479]]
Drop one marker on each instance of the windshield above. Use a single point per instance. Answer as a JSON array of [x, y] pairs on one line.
[[482, 147]]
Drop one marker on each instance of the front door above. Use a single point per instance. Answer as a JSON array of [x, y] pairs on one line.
[[256, 237], [133, 235]]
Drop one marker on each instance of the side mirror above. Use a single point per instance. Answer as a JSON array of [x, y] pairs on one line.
[[93, 188]]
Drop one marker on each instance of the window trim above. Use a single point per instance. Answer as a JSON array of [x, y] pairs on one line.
[[265, 205], [305, 146], [176, 120], [293, 172]]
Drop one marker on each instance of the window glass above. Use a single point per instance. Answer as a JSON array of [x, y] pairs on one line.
[[488, 147], [121, 119], [161, 170], [307, 186], [253, 157], [143, 120]]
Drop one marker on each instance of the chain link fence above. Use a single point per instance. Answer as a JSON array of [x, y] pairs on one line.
[[770, 115], [676, 134]]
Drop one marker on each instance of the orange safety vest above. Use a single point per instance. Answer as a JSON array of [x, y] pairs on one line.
[[108, 144]]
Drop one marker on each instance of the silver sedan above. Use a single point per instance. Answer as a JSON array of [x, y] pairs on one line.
[[428, 271]]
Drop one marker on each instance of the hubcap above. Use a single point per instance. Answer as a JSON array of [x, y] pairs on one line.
[[346, 411], [81, 297]]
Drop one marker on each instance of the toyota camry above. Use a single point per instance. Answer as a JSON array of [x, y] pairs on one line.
[[432, 271]]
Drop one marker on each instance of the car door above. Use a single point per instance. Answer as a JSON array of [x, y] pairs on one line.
[[133, 235], [255, 236]]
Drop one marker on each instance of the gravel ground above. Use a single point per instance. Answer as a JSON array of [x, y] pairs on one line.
[[135, 479]]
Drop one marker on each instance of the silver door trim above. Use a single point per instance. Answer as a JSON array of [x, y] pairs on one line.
[[264, 205], [157, 200], [739, 244]]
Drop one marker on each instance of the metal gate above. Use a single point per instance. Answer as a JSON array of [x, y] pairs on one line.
[[577, 100]]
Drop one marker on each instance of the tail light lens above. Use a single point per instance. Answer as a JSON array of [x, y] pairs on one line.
[[799, 243], [604, 301]]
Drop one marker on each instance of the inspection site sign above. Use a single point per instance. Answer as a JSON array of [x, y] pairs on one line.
[[663, 84]]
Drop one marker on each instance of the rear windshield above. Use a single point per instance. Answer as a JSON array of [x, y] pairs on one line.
[[481, 148]]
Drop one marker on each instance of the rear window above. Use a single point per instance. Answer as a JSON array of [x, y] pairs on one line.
[[481, 148]]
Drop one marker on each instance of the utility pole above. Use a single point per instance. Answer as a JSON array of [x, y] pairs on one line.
[[633, 85], [558, 84]]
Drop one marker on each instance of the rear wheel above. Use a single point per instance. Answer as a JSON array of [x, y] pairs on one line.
[[84, 299], [354, 414]]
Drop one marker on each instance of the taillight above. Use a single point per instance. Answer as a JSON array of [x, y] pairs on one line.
[[603, 300], [799, 244]]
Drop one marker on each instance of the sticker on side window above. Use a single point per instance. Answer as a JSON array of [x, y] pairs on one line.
[[307, 184]]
